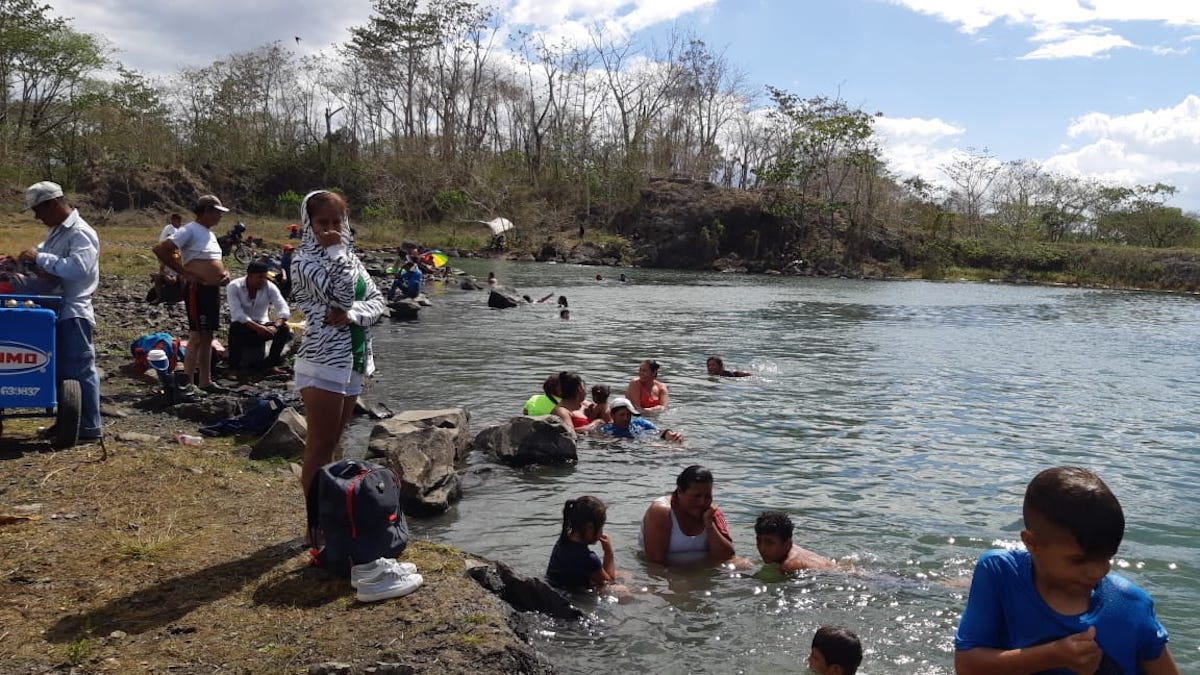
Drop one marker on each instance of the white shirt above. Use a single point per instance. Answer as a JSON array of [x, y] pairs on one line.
[[71, 252], [243, 309], [167, 232], [196, 242]]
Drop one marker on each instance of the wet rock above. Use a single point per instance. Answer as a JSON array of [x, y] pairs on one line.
[[469, 284], [423, 301], [524, 594], [404, 308], [503, 298], [376, 411], [285, 438], [457, 420], [529, 440], [423, 457]]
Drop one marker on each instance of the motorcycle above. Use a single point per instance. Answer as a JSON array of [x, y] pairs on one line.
[[240, 246]]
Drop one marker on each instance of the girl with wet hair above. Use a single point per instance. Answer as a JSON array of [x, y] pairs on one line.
[[646, 391], [573, 566], [571, 408]]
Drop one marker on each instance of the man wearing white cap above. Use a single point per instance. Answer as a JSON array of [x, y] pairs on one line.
[[68, 264], [199, 265]]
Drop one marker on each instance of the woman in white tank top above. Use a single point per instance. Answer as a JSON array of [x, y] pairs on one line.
[[686, 524]]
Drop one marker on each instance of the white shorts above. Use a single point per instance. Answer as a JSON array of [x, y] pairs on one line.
[[352, 388]]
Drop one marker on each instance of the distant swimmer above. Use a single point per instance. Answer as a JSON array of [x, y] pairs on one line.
[[599, 278], [716, 367], [623, 279]]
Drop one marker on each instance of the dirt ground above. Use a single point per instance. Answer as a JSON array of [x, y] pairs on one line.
[[189, 559]]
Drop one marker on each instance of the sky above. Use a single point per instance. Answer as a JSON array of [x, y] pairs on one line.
[[1096, 88]]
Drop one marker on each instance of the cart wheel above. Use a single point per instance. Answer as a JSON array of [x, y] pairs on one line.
[[70, 410], [243, 254]]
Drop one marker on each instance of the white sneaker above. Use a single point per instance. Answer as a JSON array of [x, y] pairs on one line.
[[371, 572], [392, 584]]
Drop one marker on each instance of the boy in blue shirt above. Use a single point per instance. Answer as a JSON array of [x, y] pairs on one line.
[[625, 425], [1055, 607]]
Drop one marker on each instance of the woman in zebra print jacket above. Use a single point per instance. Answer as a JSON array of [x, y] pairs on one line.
[[340, 302]]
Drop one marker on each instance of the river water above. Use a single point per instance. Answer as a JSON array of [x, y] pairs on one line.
[[896, 422]]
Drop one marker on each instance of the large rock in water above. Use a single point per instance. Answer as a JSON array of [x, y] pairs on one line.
[[455, 420], [503, 298], [529, 440], [285, 438], [404, 309], [422, 447], [525, 594]]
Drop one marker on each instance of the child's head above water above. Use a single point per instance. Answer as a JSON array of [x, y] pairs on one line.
[[773, 535], [835, 651], [1068, 500], [583, 519], [600, 393]]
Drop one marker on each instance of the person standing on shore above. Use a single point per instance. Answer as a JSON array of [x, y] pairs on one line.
[[68, 264], [199, 265], [340, 302], [171, 228]]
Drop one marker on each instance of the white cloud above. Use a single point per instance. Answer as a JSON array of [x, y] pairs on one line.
[[1145, 147], [164, 36], [1086, 44], [1065, 28], [973, 15], [915, 146]]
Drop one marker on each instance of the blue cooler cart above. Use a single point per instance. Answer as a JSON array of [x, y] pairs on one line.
[[27, 367]]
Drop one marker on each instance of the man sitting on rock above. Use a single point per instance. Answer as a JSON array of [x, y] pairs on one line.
[[250, 297]]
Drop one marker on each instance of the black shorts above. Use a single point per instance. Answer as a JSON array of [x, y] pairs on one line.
[[203, 307]]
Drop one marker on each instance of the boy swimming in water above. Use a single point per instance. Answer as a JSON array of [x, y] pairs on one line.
[[1055, 606], [835, 651], [773, 535]]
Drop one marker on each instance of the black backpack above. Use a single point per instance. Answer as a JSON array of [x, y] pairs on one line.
[[355, 506]]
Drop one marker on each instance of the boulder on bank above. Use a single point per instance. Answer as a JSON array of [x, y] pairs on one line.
[[285, 438], [503, 298], [422, 447], [529, 440], [525, 594]]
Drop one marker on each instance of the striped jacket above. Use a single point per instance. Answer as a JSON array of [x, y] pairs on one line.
[[325, 278]]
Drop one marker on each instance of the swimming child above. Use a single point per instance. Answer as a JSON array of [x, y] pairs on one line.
[[835, 651], [716, 367], [773, 535], [565, 315], [573, 566], [598, 410], [1055, 606]]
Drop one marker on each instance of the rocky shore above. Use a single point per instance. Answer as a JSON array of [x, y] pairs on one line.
[[169, 557]]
